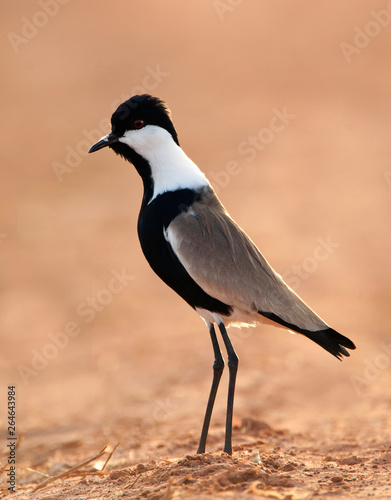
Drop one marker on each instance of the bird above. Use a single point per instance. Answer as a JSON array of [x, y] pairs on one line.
[[198, 250]]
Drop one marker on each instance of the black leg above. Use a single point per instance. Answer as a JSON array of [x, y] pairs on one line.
[[233, 362], [218, 367]]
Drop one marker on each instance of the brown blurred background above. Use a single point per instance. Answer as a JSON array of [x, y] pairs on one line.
[[314, 194]]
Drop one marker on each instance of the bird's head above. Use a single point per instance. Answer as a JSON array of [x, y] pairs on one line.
[[137, 126], [143, 133]]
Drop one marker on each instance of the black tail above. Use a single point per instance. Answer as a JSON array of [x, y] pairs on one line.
[[329, 339], [332, 341]]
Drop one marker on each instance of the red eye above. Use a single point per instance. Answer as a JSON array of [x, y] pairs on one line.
[[137, 124]]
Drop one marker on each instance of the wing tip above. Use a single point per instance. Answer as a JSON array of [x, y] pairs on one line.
[[328, 338], [332, 341]]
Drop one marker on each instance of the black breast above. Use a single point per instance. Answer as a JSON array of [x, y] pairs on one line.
[[154, 218]]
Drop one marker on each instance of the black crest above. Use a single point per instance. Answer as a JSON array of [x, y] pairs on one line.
[[152, 110]]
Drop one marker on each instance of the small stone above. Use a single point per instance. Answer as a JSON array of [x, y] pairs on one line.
[[255, 457]]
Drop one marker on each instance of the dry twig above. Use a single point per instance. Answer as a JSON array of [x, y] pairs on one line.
[[69, 472], [110, 455]]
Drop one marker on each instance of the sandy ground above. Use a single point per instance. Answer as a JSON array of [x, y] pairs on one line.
[[99, 350]]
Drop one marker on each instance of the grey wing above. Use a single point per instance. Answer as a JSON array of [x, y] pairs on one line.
[[227, 265]]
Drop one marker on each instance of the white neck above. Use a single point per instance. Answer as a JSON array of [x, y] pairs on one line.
[[171, 168]]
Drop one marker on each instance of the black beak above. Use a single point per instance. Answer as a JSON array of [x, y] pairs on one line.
[[105, 141]]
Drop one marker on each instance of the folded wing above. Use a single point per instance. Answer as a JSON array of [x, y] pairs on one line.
[[227, 265]]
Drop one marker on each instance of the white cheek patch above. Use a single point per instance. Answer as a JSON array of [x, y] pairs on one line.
[[141, 140], [171, 168]]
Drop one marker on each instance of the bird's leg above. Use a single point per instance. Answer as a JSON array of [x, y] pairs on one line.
[[233, 362], [218, 367]]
